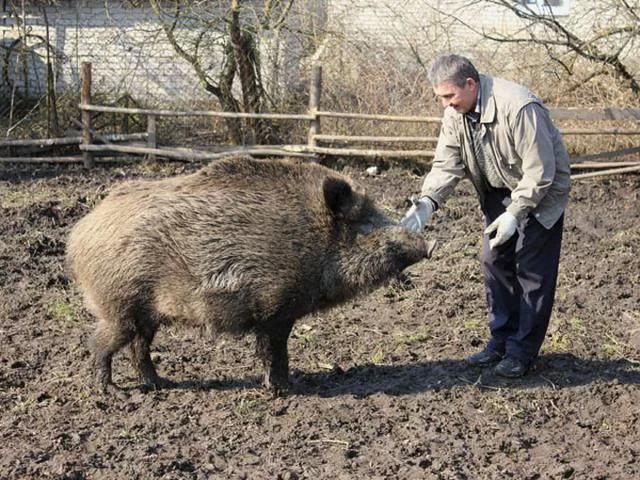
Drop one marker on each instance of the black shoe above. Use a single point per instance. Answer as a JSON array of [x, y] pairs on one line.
[[483, 358], [511, 368]]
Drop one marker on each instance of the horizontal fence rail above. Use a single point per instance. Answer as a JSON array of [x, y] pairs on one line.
[[594, 114], [369, 116], [373, 139], [193, 113], [598, 131], [52, 142]]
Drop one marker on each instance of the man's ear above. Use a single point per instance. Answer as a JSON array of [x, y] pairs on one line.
[[338, 195]]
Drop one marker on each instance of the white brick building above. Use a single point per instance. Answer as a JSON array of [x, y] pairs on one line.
[[127, 49]]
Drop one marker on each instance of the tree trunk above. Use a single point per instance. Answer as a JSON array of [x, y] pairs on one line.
[[246, 57], [227, 100]]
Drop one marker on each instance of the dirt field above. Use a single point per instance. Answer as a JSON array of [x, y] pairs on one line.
[[380, 387]]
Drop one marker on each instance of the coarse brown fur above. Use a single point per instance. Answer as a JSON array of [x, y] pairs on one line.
[[242, 245]]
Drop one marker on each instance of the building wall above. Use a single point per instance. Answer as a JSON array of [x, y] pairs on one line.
[[438, 22], [128, 51], [435, 26], [425, 22]]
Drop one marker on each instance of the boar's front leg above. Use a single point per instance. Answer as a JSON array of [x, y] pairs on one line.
[[271, 347]]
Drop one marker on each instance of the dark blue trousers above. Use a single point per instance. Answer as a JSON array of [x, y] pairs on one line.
[[520, 279]]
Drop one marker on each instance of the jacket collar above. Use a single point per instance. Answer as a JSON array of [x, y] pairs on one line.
[[488, 103]]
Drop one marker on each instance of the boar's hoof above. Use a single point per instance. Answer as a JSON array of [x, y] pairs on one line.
[[158, 383], [279, 390], [431, 246], [114, 391], [278, 387]]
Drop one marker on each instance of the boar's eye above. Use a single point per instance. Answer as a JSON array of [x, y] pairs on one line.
[[338, 195], [373, 220], [365, 228]]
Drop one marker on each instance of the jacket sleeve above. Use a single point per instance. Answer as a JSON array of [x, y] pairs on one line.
[[533, 142], [447, 168]]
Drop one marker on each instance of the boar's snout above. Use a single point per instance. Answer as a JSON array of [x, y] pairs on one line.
[[414, 244]]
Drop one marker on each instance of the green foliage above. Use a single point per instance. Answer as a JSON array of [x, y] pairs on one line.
[[62, 312]]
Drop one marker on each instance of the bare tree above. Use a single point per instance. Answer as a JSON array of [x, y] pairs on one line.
[[581, 41], [604, 34], [230, 30], [20, 58]]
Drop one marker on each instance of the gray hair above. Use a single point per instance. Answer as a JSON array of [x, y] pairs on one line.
[[452, 68]]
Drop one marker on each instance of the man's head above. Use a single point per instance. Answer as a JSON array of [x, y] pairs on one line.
[[456, 81]]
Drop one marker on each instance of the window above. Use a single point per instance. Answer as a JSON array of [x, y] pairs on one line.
[[546, 7]]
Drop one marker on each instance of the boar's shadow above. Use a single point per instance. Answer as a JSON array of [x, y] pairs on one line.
[[560, 370]]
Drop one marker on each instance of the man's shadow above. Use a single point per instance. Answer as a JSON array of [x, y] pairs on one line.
[[555, 370]]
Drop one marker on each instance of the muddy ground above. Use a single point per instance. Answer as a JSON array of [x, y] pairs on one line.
[[380, 387]]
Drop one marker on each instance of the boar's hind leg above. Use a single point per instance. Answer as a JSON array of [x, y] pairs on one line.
[[108, 338], [141, 357], [271, 347]]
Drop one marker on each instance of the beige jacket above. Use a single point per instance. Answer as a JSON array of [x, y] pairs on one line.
[[529, 154]]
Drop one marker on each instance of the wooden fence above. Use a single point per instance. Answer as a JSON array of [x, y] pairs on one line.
[[92, 143]]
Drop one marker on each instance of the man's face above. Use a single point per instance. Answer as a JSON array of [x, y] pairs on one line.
[[462, 99]]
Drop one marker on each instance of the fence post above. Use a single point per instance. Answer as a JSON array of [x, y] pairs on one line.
[[85, 99], [315, 90], [152, 138]]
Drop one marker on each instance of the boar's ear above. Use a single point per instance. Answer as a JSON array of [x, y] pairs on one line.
[[338, 195]]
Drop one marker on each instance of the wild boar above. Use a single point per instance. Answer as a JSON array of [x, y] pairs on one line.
[[240, 246]]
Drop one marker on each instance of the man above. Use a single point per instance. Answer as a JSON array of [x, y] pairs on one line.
[[500, 136]]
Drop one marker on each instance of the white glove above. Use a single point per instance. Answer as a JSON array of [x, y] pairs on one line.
[[418, 215], [505, 225]]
